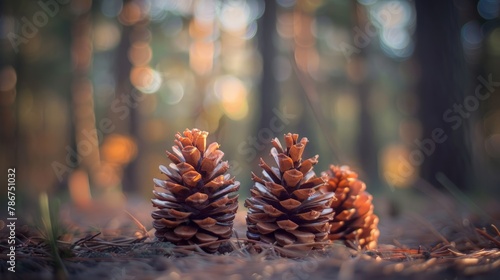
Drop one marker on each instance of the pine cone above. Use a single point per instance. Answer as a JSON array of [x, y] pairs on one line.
[[286, 206], [199, 201], [354, 221]]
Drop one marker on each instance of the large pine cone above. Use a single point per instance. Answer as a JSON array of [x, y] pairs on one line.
[[286, 206], [354, 221], [198, 201]]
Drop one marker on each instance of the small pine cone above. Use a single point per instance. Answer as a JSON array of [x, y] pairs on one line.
[[198, 201], [286, 206], [354, 221]]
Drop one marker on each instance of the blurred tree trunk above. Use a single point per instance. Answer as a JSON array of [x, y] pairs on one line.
[[128, 123], [366, 145], [442, 83], [81, 87], [269, 98], [127, 126]]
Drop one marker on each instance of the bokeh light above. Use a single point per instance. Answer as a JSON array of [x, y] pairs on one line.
[[471, 35], [111, 8], [118, 149], [204, 11], [396, 38], [395, 168], [201, 57], [182, 7], [79, 189], [131, 13], [140, 54], [158, 11], [251, 31], [106, 36], [172, 25], [396, 21], [234, 16], [285, 25], [174, 91], [494, 42], [286, 3], [488, 9], [145, 79], [232, 94]]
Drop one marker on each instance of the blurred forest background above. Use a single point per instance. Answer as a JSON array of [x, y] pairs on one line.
[[405, 92]]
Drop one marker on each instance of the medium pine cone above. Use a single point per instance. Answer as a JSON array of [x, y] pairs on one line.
[[286, 206], [198, 201], [354, 221]]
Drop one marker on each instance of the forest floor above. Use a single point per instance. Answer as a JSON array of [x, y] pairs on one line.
[[440, 242]]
